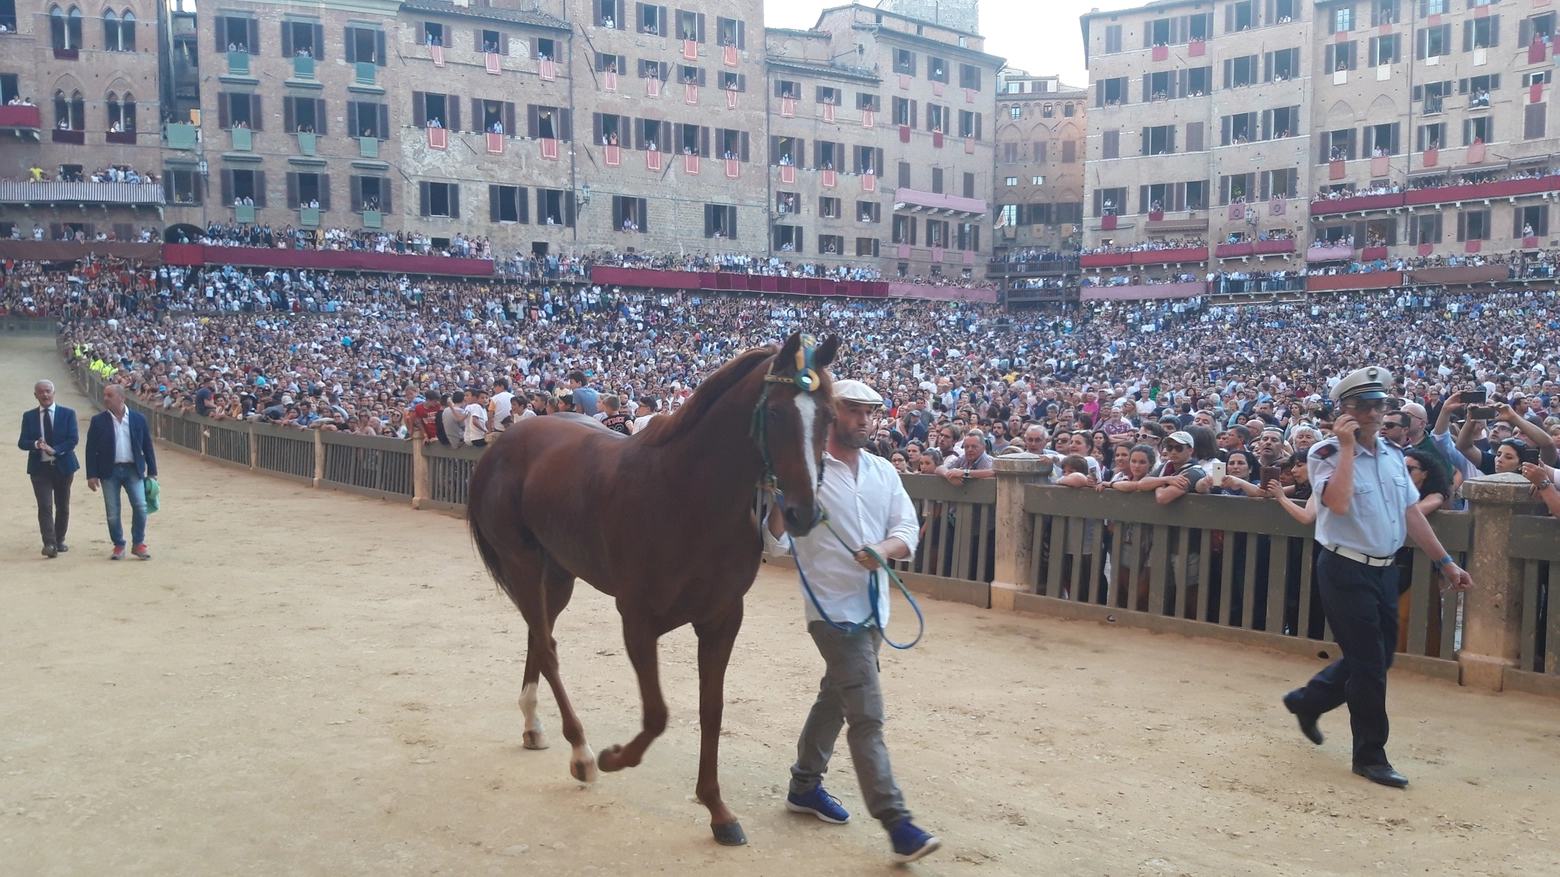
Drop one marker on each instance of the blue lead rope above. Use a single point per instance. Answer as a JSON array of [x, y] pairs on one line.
[[872, 593]]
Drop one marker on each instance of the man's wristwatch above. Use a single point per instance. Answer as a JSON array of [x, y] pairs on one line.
[[1544, 485], [1436, 565]]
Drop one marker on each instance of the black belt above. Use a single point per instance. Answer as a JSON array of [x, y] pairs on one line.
[[131, 465]]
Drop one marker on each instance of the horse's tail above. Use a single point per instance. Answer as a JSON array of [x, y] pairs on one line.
[[531, 601]]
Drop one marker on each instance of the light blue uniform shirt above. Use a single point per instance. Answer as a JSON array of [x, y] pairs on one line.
[[1376, 523]]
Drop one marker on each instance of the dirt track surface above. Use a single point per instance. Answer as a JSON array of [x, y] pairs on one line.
[[305, 682]]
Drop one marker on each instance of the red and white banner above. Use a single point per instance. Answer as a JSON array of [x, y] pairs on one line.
[[550, 148], [690, 164], [788, 174], [829, 179], [653, 87], [438, 138], [904, 133], [869, 182], [731, 98], [969, 145], [653, 160], [904, 81], [788, 107], [691, 94], [937, 254], [549, 70], [611, 81], [1432, 155], [1278, 207], [1476, 150], [690, 50], [438, 55], [937, 139], [614, 155], [937, 88], [868, 118], [733, 169], [729, 56], [828, 112], [969, 95], [495, 144], [495, 64]]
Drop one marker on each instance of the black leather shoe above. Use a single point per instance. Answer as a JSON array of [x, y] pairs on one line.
[[50, 551], [1383, 774], [63, 548], [1307, 721]]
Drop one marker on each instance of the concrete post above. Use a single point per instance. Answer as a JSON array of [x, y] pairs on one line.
[[254, 447], [1492, 611], [422, 481], [319, 457], [1015, 529], [204, 433]]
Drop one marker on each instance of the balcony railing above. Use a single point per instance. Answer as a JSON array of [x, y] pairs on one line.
[[306, 143], [181, 135], [367, 72], [373, 219], [63, 135], [243, 140], [56, 192], [309, 217], [244, 214], [20, 118], [123, 138], [238, 63], [303, 67], [368, 147]]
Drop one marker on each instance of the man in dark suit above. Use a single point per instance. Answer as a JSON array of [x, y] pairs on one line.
[[49, 437], [120, 456]]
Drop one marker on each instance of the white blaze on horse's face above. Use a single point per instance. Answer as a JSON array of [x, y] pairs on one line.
[[807, 410]]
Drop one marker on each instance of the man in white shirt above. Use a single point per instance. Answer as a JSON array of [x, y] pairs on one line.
[[476, 420], [867, 506], [503, 404]]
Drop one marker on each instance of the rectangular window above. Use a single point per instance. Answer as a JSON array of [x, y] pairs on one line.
[[936, 233], [1237, 188], [650, 19], [1481, 33], [1340, 56], [243, 187], [661, 70], [508, 204], [902, 230], [829, 208], [1280, 123], [238, 111], [1531, 221], [785, 151], [969, 77], [1240, 16], [866, 246], [904, 175], [1109, 202], [1010, 181], [1539, 28], [438, 199], [1384, 12], [899, 108], [831, 245], [967, 124], [788, 203], [1200, 27], [936, 69], [304, 115], [1433, 95], [365, 44], [609, 13], [1285, 11], [303, 39], [609, 63], [1434, 7], [1381, 140], [904, 61], [1430, 136], [555, 207], [1010, 153], [1281, 66], [1112, 39], [866, 159], [1240, 72], [731, 144], [628, 214], [1237, 129], [1157, 32], [366, 119], [1280, 184], [937, 180], [731, 32], [1194, 137], [788, 238], [372, 193], [937, 118], [1338, 145], [866, 101], [1386, 50], [1197, 195], [1434, 41], [969, 185], [235, 33], [181, 185], [827, 95], [1196, 82], [1533, 122], [1340, 18], [548, 123], [1069, 151], [1473, 225], [690, 26], [1110, 92], [1159, 140], [1482, 129]]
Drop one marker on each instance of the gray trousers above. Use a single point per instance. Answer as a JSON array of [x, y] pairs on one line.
[[849, 694]]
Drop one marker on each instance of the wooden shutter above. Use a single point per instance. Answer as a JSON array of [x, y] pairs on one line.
[[532, 121], [509, 118], [320, 118], [503, 43], [452, 107], [220, 23], [259, 180], [289, 118], [222, 110], [744, 146], [1533, 121], [287, 46], [350, 45], [568, 209], [978, 126], [741, 35], [379, 47], [454, 189], [256, 114], [701, 27], [422, 198], [319, 42], [227, 187], [324, 191], [292, 190], [419, 111], [254, 36], [704, 142], [493, 211], [355, 192], [477, 117]]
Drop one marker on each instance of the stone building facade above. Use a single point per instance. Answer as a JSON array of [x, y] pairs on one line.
[[1038, 184]]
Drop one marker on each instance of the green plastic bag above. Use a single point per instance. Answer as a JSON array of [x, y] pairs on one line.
[[153, 495]]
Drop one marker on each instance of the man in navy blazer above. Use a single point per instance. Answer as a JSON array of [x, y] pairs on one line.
[[49, 437], [120, 456]]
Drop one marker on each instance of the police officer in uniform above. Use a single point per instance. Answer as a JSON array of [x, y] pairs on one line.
[[1366, 511]]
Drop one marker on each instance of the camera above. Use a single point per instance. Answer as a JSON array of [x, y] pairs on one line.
[[1481, 412], [1530, 455]]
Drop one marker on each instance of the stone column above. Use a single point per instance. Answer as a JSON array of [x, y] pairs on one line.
[[1015, 529], [422, 481], [1492, 611]]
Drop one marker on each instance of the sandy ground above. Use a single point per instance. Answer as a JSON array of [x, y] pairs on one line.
[[305, 682]]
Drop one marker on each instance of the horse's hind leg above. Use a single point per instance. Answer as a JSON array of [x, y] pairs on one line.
[[559, 587], [639, 640], [534, 736]]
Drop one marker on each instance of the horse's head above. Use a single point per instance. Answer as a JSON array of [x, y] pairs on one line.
[[791, 426]]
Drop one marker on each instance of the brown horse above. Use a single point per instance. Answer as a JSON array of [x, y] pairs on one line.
[[663, 521]]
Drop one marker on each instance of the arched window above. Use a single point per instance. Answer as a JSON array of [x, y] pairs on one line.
[[59, 33], [127, 32], [73, 29], [110, 31], [69, 112], [1048, 111], [1070, 110], [121, 113]]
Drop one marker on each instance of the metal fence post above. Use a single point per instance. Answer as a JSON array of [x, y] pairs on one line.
[[1015, 528], [1492, 611]]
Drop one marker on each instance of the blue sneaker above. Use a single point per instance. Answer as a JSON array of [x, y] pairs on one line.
[[911, 843], [819, 803]]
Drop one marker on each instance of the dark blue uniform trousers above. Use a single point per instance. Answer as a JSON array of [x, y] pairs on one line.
[[1361, 605]]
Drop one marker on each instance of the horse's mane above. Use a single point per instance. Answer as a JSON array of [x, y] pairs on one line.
[[661, 430]]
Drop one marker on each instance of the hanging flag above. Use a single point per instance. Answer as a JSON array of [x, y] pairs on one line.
[[653, 160], [729, 56], [495, 144], [733, 169], [653, 87], [614, 155], [438, 138], [828, 112], [690, 164], [549, 70], [868, 117], [690, 94], [787, 174], [829, 179], [788, 107], [731, 98], [690, 50], [611, 81], [495, 65], [549, 148], [869, 182], [438, 55]]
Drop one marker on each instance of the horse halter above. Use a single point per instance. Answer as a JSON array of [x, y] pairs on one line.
[[805, 379]]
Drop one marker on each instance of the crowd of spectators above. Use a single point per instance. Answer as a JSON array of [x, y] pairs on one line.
[[1146, 246], [116, 173], [358, 240]]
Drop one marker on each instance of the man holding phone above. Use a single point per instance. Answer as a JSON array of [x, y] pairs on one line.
[[1367, 509]]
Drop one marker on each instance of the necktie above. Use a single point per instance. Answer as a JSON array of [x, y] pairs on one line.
[[48, 427]]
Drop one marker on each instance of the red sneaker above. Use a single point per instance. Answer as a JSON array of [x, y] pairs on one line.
[[119, 553], [141, 552]]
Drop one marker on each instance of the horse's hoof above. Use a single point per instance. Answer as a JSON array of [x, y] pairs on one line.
[[729, 834], [583, 766], [608, 761], [534, 740]]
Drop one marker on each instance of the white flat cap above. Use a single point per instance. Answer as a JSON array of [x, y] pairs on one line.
[[849, 390]]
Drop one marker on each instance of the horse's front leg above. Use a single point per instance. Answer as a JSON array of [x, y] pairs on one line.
[[715, 643], [639, 640]]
